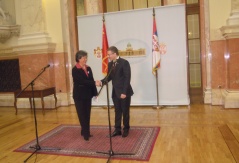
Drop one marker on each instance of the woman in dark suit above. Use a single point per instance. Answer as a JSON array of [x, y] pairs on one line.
[[84, 89]]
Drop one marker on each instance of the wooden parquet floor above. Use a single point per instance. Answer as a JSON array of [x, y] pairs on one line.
[[189, 134]]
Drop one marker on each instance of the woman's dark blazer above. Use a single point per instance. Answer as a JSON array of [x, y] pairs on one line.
[[84, 86]]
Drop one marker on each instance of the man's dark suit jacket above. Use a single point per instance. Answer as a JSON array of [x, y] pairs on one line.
[[120, 76], [84, 86]]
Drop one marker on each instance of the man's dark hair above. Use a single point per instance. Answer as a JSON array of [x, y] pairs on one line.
[[80, 54], [113, 49]]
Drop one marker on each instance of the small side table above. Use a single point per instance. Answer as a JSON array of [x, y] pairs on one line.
[[39, 93]]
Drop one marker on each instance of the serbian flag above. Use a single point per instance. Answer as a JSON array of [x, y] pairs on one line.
[[155, 47], [104, 50]]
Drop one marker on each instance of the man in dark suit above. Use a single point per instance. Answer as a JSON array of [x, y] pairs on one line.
[[120, 74]]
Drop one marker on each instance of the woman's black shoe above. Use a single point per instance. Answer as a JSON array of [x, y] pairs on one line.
[[86, 138]]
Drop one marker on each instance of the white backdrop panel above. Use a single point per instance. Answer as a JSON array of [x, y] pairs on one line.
[[135, 27]]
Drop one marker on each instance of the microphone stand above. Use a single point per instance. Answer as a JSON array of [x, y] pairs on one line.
[[105, 82], [110, 152], [37, 147]]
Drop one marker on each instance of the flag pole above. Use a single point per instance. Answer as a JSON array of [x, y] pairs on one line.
[[103, 17], [156, 75], [104, 51], [157, 106]]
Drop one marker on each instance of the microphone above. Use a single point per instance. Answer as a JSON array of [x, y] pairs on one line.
[[46, 66]]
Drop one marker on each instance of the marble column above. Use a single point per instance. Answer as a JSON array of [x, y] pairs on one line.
[[208, 89], [231, 34], [70, 44]]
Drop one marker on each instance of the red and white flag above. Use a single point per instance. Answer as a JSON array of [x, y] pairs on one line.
[[104, 49]]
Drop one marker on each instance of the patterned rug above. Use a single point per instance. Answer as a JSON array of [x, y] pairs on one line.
[[66, 140]]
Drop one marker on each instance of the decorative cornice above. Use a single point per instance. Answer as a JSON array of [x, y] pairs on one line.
[[42, 48], [6, 53], [230, 31], [38, 37]]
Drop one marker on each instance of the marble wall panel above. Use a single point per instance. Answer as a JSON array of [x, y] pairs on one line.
[[52, 80], [60, 72], [31, 66], [218, 64], [233, 63], [55, 75]]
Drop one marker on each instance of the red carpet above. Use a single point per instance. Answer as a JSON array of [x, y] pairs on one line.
[[66, 140]]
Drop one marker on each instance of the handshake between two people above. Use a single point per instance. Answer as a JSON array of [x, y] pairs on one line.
[[98, 83]]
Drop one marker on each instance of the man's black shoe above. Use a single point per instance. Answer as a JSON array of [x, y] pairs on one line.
[[116, 133], [125, 134]]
